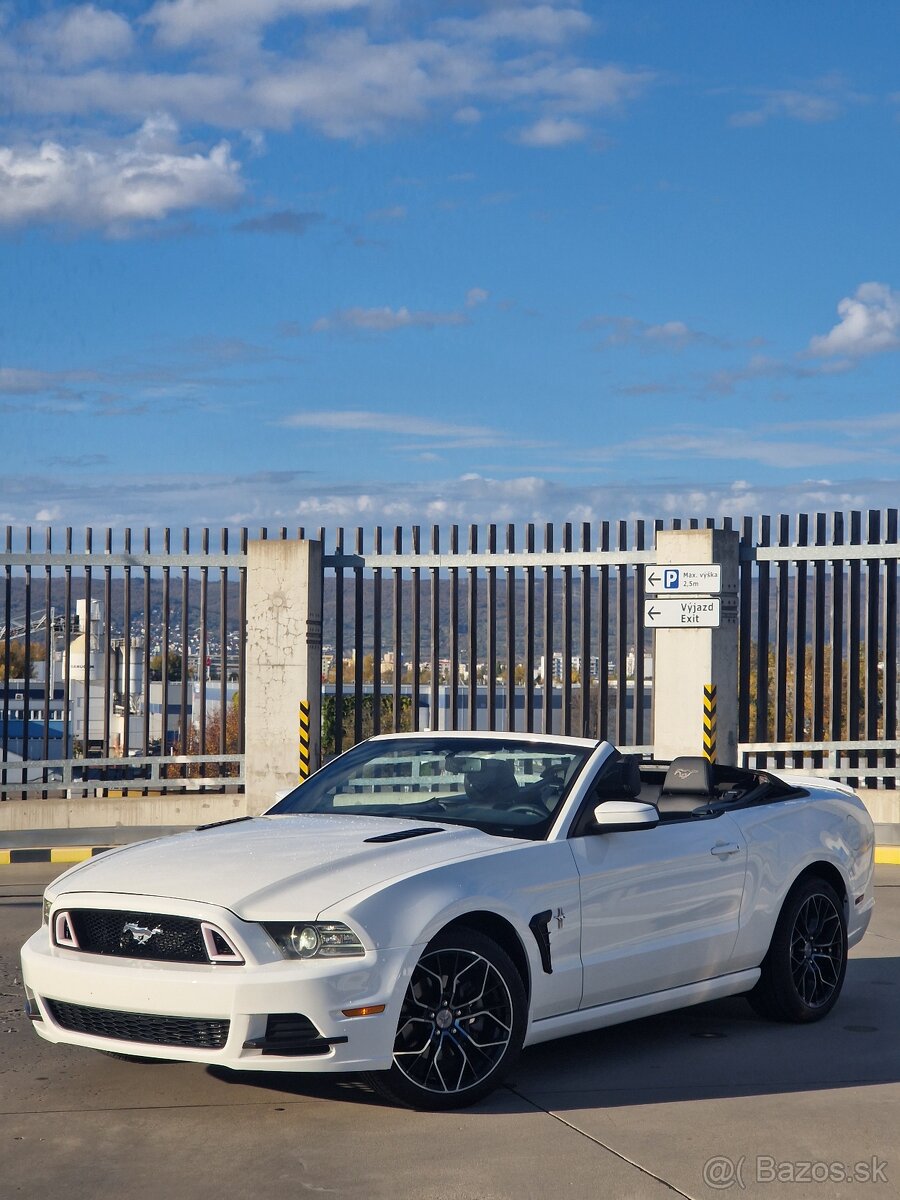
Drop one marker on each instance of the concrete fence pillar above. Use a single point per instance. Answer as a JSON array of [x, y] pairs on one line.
[[284, 666], [695, 656]]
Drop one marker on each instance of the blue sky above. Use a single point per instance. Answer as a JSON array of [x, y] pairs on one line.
[[364, 261]]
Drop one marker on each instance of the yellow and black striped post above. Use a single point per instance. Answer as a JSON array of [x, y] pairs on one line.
[[303, 742], [709, 721]]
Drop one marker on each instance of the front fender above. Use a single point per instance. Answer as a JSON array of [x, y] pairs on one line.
[[513, 884]]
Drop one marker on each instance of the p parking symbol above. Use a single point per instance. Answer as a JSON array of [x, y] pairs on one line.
[[670, 578]]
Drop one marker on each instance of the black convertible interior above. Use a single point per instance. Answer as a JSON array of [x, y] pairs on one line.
[[690, 786]]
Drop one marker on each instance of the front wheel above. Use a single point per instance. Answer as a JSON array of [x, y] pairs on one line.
[[461, 1025], [803, 971]]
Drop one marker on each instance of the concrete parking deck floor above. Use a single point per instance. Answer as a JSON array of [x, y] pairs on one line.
[[701, 1103]]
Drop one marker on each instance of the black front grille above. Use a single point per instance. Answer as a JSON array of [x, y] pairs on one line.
[[195, 1032], [156, 936]]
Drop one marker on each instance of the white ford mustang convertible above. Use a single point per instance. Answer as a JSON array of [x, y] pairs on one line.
[[428, 904]]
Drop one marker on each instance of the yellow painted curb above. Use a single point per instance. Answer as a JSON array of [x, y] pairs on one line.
[[64, 854], [47, 854], [885, 856]]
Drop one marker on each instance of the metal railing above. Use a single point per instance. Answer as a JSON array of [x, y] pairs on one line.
[[528, 628], [477, 631], [110, 654], [818, 639]]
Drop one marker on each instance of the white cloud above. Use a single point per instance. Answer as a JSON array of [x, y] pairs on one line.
[[476, 296], [293, 498], [287, 221], [541, 23], [180, 23], [553, 131], [623, 331], [19, 381], [824, 99], [743, 445], [385, 320], [798, 106], [567, 87], [360, 420], [145, 178], [869, 324], [394, 212], [338, 79], [761, 366], [669, 331], [81, 34]]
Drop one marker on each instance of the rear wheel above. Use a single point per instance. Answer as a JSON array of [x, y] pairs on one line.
[[461, 1026], [803, 971]]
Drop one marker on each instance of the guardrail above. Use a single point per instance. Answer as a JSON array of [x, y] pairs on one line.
[[80, 778]]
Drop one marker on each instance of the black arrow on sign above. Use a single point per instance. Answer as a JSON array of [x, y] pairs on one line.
[[652, 613], [653, 580]]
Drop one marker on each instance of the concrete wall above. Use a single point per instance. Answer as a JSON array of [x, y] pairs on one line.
[[111, 812], [284, 663], [685, 660]]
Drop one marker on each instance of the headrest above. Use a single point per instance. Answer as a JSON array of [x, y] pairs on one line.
[[497, 772], [495, 779], [688, 774]]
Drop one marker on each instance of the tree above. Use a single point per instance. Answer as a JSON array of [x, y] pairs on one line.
[[17, 658], [174, 672], [367, 706], [210, 744]]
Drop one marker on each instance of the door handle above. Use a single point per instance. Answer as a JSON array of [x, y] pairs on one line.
[[724, 849]]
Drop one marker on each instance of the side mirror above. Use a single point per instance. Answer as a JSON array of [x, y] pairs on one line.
[[621, 816]]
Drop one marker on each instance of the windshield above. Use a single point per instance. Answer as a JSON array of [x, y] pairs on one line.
[[511, 788]]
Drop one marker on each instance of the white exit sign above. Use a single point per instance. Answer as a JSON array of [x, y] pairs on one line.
[[674, 612]]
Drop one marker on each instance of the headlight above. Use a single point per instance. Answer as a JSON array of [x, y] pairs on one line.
[[315, 939], [48, 904]]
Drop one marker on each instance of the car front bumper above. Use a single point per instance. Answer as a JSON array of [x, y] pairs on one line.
[[118, 993]]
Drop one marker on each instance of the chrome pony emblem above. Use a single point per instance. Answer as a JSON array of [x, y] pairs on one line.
[[141, 933]]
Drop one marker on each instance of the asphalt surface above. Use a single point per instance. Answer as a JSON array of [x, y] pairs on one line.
[[707, 1102]]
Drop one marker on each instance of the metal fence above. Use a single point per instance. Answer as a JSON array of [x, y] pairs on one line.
[[483, 632], [109, 654], [531, 628], [818, 644]]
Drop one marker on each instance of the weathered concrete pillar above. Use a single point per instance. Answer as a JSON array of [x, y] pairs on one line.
[[284, 664], [688, 656]]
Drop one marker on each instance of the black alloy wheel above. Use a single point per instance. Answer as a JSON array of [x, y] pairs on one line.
[[803, 972], [461, 1025]]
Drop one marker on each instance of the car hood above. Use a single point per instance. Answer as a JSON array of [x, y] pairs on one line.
[[276, 867]]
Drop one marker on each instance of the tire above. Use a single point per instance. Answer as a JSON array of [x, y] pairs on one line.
[[461, 1025], [803, 971]]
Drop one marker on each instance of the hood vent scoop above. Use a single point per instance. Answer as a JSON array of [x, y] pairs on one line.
[[400, 835]]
